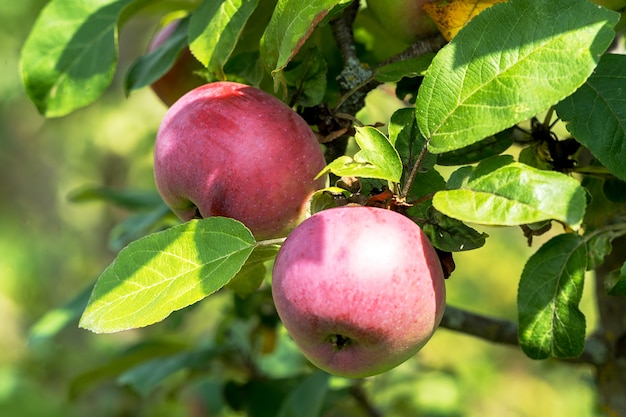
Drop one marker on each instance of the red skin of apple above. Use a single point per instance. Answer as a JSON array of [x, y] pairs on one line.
[[181, 77], [359, 289], [228, 149], [404, 19]]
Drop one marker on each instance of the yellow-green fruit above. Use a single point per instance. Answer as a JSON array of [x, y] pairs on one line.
[[403, 19]]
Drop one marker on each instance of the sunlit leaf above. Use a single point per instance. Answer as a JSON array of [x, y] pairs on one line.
[[451, 15], [550, 289], [291, 25], [214, 30], [70, 56], [596, 113], [376, 159], [165, 272], [500, 192], [510, 62]]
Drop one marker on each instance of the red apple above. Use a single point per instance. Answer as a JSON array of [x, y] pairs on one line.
[[228, 149], [182, 77], [359, 289], [403, 19]]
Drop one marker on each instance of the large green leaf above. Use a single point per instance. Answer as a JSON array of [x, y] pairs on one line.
[[214, 30], [70, 56], [550, 289], [165, 272], [510, 62], [291, 25], [505, 193], [596, 113]]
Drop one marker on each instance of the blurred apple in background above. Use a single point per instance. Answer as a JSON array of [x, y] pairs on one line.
[[182, 77], [403, 19]]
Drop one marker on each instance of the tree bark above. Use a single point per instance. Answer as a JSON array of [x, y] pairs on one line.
[[611, 373]]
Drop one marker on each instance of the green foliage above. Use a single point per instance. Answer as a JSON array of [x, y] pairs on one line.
[[456, 157], [376, 159], [153, 65], [550, 290], [214, 30], [494, 74], [165, 272], [71, 54], [597, 115], [501, 192]]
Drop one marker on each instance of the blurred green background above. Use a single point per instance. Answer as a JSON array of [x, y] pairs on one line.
[[51, 248]]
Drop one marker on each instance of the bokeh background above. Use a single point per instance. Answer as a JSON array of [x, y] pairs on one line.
[[52, 248]]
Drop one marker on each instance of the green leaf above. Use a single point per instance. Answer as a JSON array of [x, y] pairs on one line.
[[476, 152], [307, 398], [307, 79], [395, 71], [134, 356], [510, 194], [59, 318], [132, 199], [150, 67], [376, 159], [407, 139], [425, 185], [598, 247], [70, 55], [165, 272], [146, 377], [139, 225], [615, 190], [507, 64], [292, 23], [252, 273], [550, 289], [596, 113], [616, 283], [214, 30], [451, 235]]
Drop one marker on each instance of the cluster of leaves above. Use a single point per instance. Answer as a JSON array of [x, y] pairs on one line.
[[513, 62]]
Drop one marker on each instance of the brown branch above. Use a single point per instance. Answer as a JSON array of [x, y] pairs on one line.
[[419, 48], [505, 332], [342, 31]]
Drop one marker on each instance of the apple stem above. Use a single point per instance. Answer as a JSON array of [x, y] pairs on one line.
[[339, 342], [415, 170], [271, 242]]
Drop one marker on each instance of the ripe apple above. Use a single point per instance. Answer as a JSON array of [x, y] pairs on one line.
[[228, 149], [359, 289], [182, 77], [403, 19]]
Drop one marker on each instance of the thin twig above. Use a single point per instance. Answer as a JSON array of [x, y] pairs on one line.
[[360, 396], [419, 48], [415, 170]]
